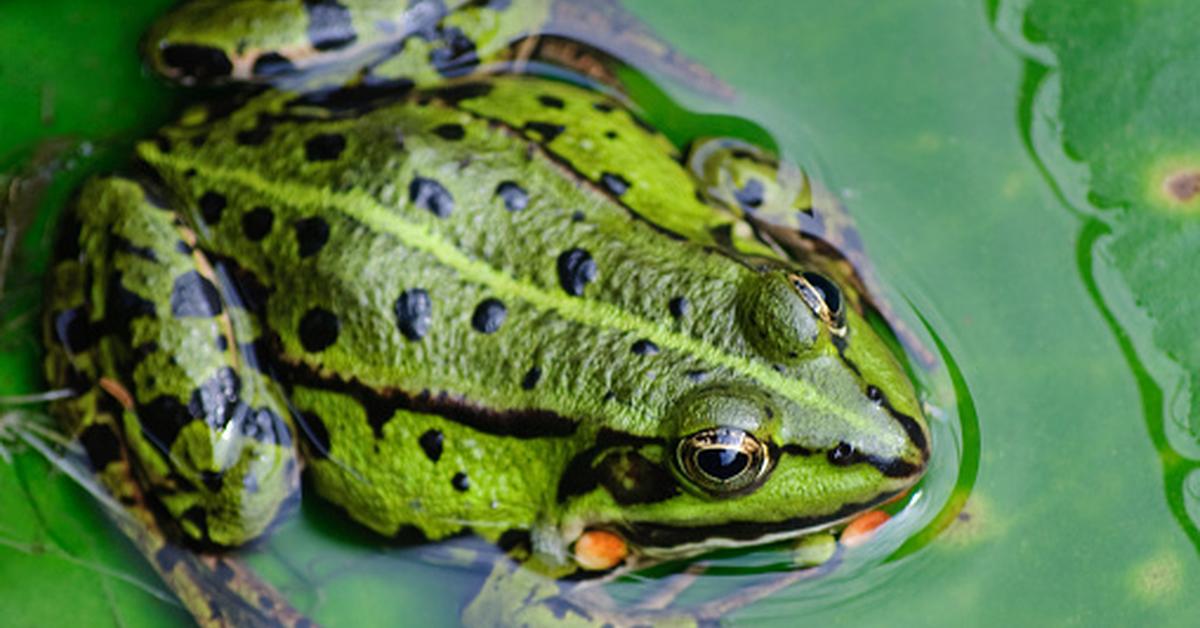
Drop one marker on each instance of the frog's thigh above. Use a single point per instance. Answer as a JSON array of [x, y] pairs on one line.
[[207, 432]]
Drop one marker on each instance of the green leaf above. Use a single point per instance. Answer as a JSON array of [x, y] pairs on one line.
[[1122, 80]]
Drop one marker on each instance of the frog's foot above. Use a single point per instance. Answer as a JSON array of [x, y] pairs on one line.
[[750, 181], [518, 593], [598, 39]]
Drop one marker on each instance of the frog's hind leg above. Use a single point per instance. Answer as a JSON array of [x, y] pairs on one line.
[[138, 314], [594, 40], [601, 40]]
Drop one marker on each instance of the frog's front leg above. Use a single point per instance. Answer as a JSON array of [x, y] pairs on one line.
[[530, 590], [142, 317]]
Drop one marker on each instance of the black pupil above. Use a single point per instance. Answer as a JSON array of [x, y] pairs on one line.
[[721, 463], [829, 292]]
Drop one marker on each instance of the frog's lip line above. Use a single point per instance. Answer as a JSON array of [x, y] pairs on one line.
[[367, 210], [659, 540]]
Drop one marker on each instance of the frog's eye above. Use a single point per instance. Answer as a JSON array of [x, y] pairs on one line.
[[824, 298], [723, 461]]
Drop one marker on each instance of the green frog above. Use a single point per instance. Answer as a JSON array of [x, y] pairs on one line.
[[459, 297]]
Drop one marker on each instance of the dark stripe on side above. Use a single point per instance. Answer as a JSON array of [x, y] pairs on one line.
[[662, 535], [381, 405]]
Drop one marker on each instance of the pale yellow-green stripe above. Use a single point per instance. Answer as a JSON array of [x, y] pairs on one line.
[[367, 210]]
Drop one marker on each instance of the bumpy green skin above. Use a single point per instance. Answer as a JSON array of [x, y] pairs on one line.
[[323, 277]]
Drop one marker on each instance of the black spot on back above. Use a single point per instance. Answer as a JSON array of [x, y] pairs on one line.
[[576, 269], [551, 101], [272, 64], [318, 329], [644, 347], [212, 204], [329, 24], [460, 482], [532, 377], [431, 444], [450, 132], [324, 147], [614, 183], [489, 316], [515, 197], [414, 310], [430, 195], [200, 62], [194, 296], [311, 235], [603, 107], [257, 223], [545, 130], [464, 91], [679, 307]]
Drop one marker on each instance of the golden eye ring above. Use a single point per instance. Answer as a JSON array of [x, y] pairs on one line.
[[823, 297], [724, 461]]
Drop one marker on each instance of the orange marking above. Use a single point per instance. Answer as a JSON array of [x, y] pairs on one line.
[[597, 550], [118, 392], [863, 527]]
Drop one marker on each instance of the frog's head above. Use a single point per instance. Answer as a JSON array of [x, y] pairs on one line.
[[823, 426]]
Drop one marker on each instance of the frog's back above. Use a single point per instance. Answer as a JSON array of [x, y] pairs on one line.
[[482, 216], [403, 252]]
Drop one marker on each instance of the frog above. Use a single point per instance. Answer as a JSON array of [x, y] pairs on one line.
[[459, 297]]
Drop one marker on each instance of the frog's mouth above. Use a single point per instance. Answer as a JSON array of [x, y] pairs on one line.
[[660, 541]]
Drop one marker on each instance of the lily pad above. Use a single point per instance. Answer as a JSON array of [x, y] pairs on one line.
[[1121, 81]]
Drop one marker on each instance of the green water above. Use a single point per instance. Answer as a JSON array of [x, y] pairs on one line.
[[936, 123]]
